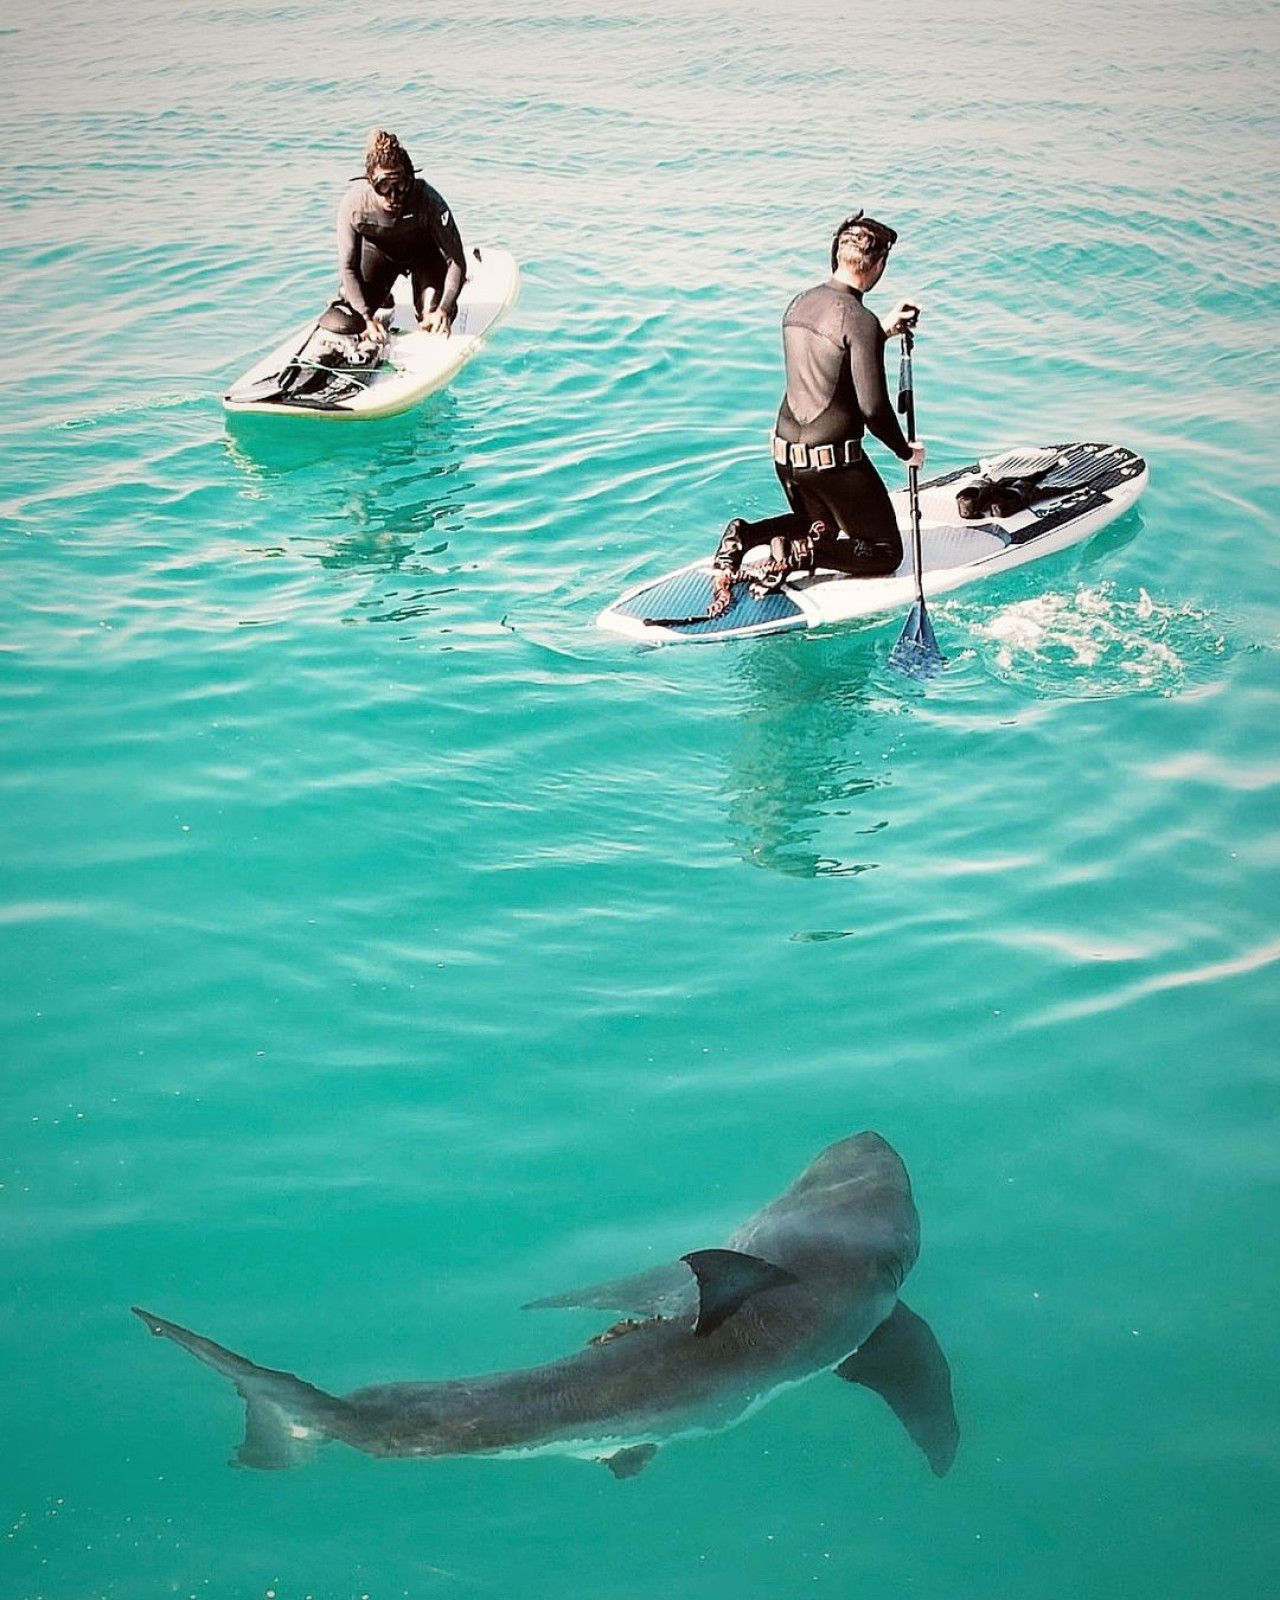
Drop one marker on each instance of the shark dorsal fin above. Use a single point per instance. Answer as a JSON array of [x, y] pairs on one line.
[[726, 1278]]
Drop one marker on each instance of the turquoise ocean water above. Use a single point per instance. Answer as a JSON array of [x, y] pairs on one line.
[[384, 946]]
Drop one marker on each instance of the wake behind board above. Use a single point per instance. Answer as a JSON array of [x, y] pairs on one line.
[[1086, 487], [413, 364]]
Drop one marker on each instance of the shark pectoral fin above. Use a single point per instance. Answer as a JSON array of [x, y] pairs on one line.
[[726, 1278], [627, 1462], [286, 1420], [903, 1362], [644, 1292]]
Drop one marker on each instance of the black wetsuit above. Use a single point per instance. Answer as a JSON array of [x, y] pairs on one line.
[[836, 390], [375, 248]]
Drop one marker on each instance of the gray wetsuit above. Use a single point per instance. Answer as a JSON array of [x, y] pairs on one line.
[[375, 248]]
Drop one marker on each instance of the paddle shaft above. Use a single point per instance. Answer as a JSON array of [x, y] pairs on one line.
[[907, 405]]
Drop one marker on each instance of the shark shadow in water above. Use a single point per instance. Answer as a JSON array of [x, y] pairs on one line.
[[807, 1285]]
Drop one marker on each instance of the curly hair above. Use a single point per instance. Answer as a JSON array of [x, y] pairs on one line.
[[383, 149]]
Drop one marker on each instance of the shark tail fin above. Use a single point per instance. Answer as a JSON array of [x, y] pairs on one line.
[[286, 1420], [903, 1362]]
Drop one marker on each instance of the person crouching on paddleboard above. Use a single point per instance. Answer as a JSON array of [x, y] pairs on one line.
[[833, 347], [391, 222]]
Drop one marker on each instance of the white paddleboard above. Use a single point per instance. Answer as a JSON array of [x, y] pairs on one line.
[[413, 365], [1088, 486]]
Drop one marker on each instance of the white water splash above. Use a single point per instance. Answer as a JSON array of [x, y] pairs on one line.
[[1096, 642]]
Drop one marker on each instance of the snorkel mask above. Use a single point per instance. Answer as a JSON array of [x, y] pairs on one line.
[[878, 237]]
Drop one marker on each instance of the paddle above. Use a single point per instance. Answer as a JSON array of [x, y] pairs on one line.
[[916, 653]]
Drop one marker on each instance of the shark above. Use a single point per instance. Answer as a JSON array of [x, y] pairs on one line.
[[808, 1285]]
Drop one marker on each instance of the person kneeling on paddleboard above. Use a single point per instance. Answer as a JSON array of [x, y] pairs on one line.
[[390, 223], [833, 347]]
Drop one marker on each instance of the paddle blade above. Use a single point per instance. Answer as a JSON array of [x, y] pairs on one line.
[[916, 653]]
